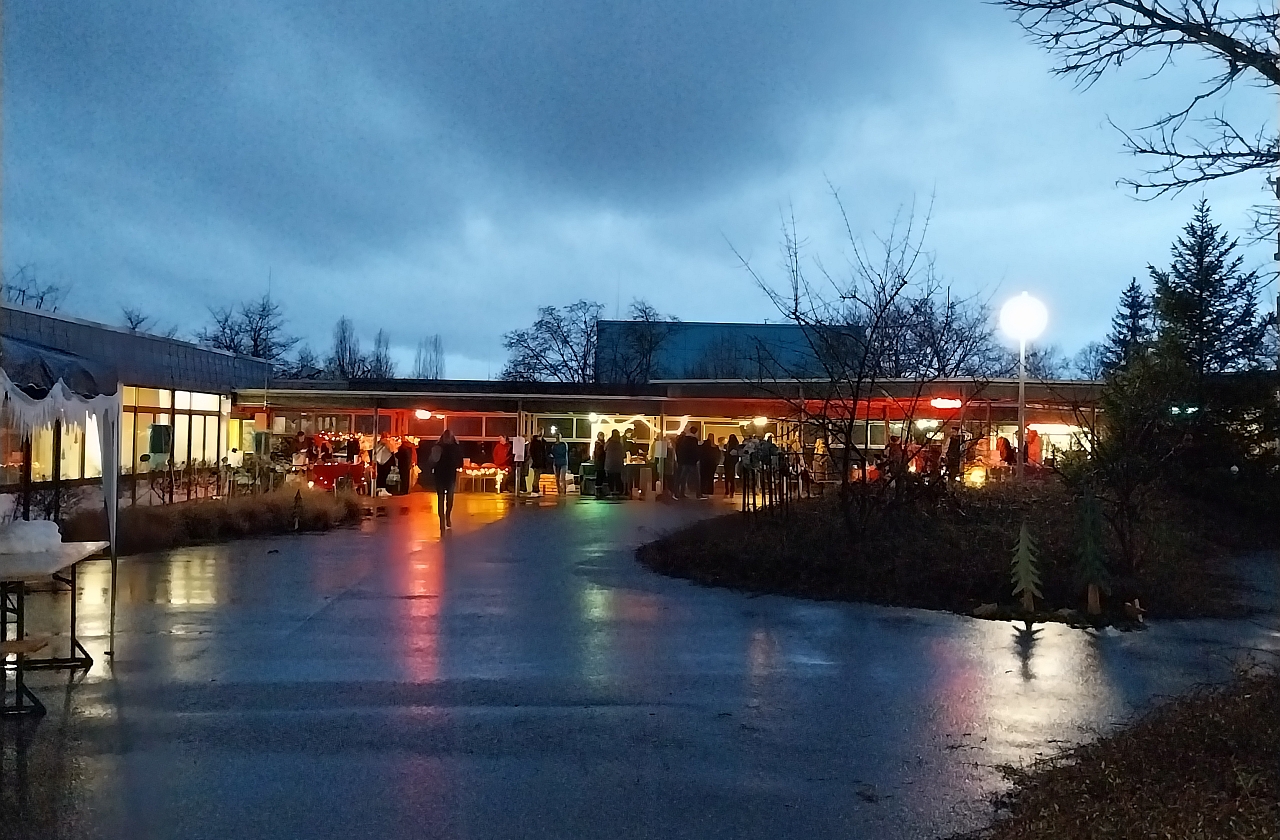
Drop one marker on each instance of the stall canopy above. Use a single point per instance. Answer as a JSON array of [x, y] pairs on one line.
[[41, 385]]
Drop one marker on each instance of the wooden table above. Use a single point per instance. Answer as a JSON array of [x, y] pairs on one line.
[[16, 570]]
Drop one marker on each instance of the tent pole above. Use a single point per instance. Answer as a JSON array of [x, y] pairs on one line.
[[57, 470], [26, 477], [111, 437], [111, 624]]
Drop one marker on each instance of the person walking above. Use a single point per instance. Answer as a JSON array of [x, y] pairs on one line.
[[597, 461], [502, 460], [537, 463], [708, 462], [560, 465], [731, 456], [615, 455], [687, 459], [446, 460]]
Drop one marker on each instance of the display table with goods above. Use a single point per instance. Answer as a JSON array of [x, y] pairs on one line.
[[338, 474], [637, 476], [477, 477], [31, 551]]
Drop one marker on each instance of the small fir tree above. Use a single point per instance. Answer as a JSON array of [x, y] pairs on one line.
[[1206, 304], [1092, 567], [1131, 327], [1026, 569]]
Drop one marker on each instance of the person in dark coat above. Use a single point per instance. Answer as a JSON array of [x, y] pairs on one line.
[[615, 455], [537, 461], [446, 460], [955, 454], [404, 465], [426, 480], [688, 456], [731, 456], [597, 461], [708, 461]]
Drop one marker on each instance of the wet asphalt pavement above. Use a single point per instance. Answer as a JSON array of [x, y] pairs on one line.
[[525, 678]]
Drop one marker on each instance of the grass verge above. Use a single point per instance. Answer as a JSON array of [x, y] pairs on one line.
[[1200, 767], [162, 527]]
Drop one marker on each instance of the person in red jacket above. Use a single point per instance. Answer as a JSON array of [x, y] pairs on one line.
[[502, 460]]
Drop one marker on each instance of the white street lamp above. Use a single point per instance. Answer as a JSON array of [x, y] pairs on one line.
[[1023, 318]]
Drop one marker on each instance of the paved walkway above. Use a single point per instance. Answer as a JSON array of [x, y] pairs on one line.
[[524, 678]]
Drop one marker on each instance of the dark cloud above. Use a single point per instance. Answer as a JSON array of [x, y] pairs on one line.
[[449, 166]]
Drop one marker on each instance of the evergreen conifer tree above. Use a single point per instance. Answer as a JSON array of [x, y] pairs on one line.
[[1131, 327], [1206, 304], [1092, 567], [1026, 569]]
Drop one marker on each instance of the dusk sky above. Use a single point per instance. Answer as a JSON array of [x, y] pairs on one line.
[[434, 167]]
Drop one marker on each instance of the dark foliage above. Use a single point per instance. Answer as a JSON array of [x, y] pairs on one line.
[[1206, 304], [951, 555], [1132, 328]]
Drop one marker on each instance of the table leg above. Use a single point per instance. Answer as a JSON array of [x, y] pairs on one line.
[[24, 701], [79, 657]]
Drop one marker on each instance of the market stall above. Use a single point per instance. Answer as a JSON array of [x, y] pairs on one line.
[[43, 388]]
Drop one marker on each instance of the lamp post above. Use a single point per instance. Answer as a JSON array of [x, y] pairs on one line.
[[1023, 318]]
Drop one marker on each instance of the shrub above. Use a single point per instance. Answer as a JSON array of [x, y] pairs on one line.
[[158, 528]]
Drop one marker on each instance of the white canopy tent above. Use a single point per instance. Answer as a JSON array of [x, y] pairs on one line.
[[32, 405]]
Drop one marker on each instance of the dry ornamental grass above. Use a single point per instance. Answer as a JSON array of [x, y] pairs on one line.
[[1201, 767], [162, 527]]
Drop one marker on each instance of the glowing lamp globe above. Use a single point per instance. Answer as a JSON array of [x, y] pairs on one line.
[[1023, 318]]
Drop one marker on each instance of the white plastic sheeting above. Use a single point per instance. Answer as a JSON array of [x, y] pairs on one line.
[[27, 414]]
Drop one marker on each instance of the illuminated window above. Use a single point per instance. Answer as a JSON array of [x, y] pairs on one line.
[[72, 448], [93, 450], [10, 455], [210, 456], [153, 398], [126, 443], [42, 454], [180, 439], [197, 441], [205, 402]]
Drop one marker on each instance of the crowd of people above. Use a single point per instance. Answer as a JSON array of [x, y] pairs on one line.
[[687, 466]]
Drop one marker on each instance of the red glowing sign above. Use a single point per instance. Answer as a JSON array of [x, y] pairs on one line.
[[945, 402]]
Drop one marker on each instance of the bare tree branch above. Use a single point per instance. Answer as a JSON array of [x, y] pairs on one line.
[[1093, 37]]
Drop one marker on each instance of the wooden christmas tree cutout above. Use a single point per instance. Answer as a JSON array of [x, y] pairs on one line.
[[1026, 569]]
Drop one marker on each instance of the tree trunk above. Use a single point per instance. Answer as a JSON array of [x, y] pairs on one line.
[[1095, 600], [1028, 601]]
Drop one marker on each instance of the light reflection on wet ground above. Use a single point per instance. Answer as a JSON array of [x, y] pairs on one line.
[[521, 676]]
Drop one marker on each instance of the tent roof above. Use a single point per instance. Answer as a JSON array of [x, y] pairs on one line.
[[35, 369]]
